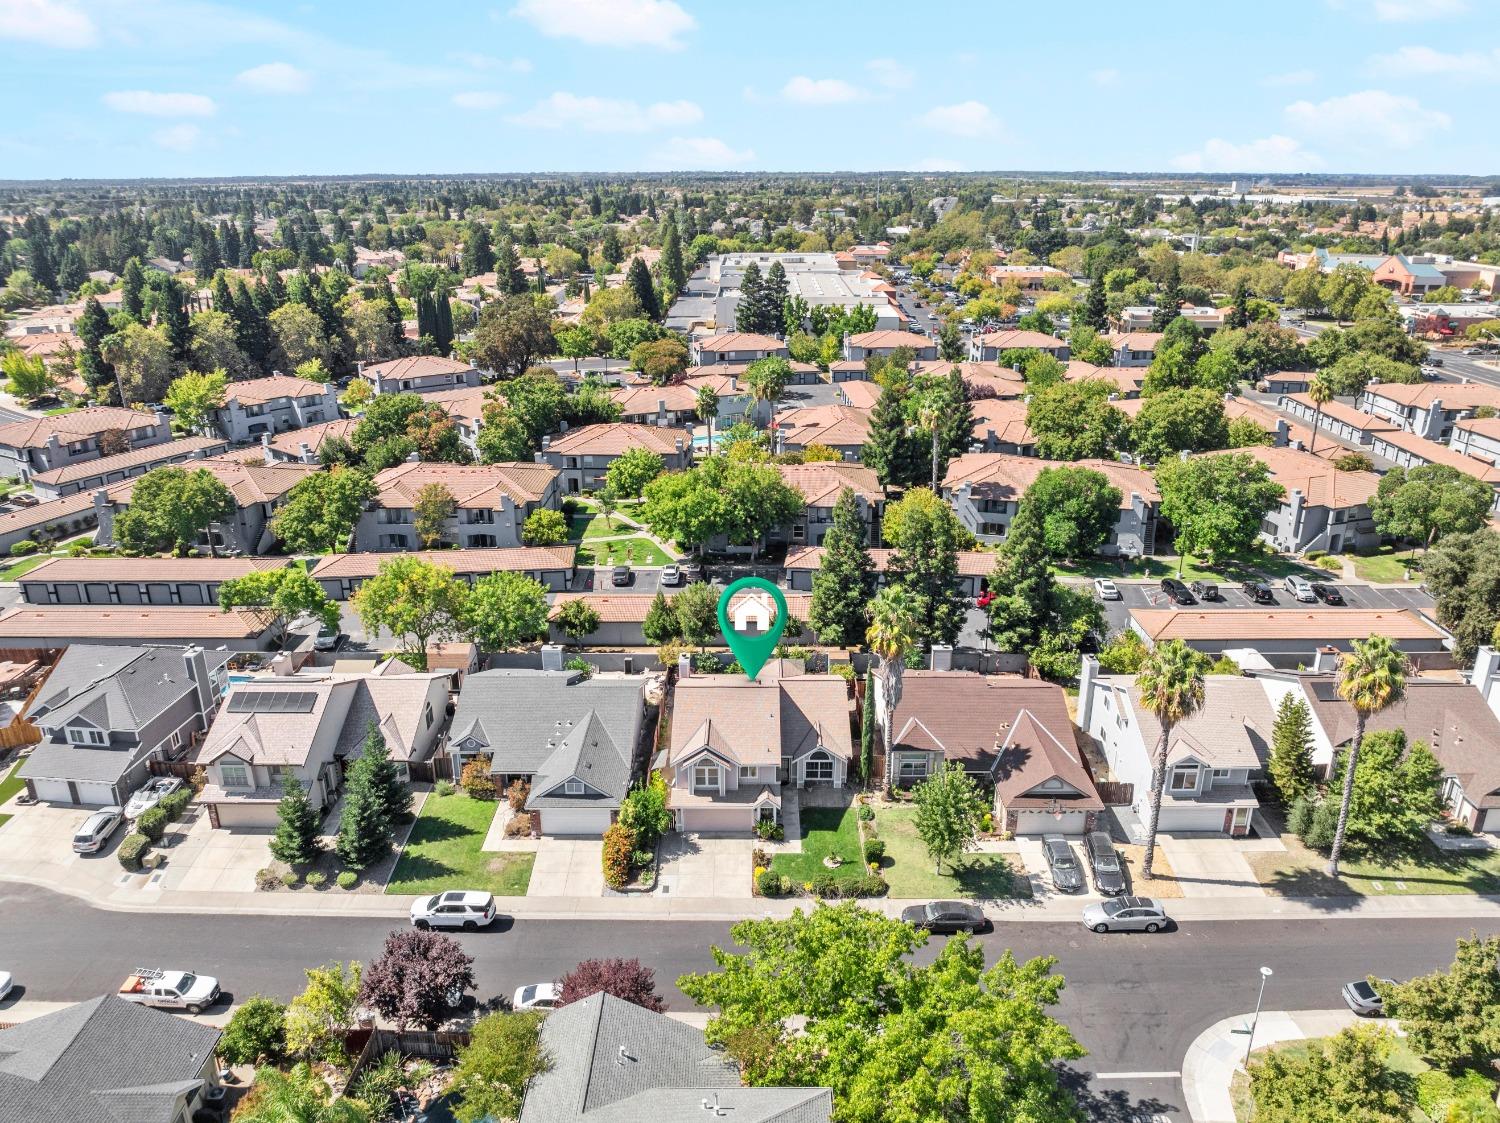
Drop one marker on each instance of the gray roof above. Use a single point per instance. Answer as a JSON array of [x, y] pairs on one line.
[[52, 760], [116, 687], [101, 1061], [553, 725], [615, 1062]]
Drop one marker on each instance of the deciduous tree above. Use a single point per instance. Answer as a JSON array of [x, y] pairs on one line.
[[320, 511], [170, 508], [629, 473], [285, 594], [413, 980], [626, 979], [414, 600], [1075, 421], [544, 527], [1346, 1076], [927, 535], [506, 609], [1430, 501], [949, 808], [1217, 503], [1371, 678], [1452, 1016], [1077, 508], [503, 1054]]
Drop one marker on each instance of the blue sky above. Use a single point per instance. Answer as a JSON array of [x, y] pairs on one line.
[[125, 88]]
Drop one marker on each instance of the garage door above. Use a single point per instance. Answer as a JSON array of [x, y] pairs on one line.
[[717, 820], [95, 793], [1067, 822], [53, 791], [590, 822], [247, 815]]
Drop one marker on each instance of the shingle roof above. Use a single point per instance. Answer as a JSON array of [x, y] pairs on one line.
[[616, 437], [126, 687], [481, 486], [134, 458], [615, 1062], [397, 705], [1006, 418], [264, 732], [147, 570], [101, 1061], [1232, 730], [258, 391], [823, 481], [70, 426], [472, 561]]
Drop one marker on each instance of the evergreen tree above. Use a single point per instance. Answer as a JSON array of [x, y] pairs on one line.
[[296, 839], [93, 326], [1238, 315], [223, 298], [385, 296], [1290, 765], [1095, 313], [249, 243], [844, 583], [132, 286], [957, 430], [508, 278], [171, 313], [776, 290], [71, 274], [393, 796], [672, 267], [746, 310], [895, 455], [661, 624], [364, 826], [479, 256], [639, 279], [925, 533], [1169, 301], [1023, 585], [611, 250]]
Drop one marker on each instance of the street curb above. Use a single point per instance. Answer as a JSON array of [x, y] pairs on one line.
[[1203, 1064]]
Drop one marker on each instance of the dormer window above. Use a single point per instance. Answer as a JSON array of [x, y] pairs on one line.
[[77, 736], [706, 777], [573, 787]]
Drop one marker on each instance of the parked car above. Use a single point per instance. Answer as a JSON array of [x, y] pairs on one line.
[[946, 916], [535, 996], [1300, 588], [93, 836], [1125, 914], [1106, 589], [670, 575], [690, 570], [1104, 861], [327, 639], [620, 576], [468, 909], [1364, 999], [1067, 874], [1258, 591], [1435, 360], [1204, 590], [1176, 591], [149, 795], [170, 989], [1327, 593], [25, 499]]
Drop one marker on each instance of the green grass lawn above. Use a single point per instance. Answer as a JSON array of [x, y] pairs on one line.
[[10, 784], [825, 831], [443, 852], [1229, 571], [909, 870], [1299, 873], [1386, 566], [1401, 1059], [24, 566]]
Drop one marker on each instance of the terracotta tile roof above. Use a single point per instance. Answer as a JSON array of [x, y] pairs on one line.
[[313, 436], [472, 485], [643, 400], [761, 722], [971, 563], [1298, 624], [46, 343], [1017, 339], [414, 366], [153, 622], [740, 341], [999, 475], [50, 512], [1321, 484], [879, 339], [821, 483], [464, 404], [1006, 418], [1480, 426], [631, 608], [146, 454], [860, 394], [1348, 415], [1453, 395], [471, 561], [146, 570], [258, 391], [614, 438], [88, 422], [1125, 380], [251, 482], [1433, 453], [835, 426], [1002, 382], [1134, 340]]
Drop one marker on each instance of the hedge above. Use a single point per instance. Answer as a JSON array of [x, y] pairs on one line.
[[619, 846], [152, 823], [132, 850], [176, 803]]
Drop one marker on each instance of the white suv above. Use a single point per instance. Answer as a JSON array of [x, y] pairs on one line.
[[458, 908], [1300, 589]]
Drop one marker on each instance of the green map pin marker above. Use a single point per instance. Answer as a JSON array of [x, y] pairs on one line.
[[752, 651]]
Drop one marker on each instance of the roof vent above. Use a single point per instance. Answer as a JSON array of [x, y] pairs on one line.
[[714, 1106], [624, 1055]]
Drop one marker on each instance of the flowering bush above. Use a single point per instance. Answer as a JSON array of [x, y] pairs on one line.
[[619, 845]]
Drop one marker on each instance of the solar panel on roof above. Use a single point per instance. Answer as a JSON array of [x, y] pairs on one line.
[[272, 702]]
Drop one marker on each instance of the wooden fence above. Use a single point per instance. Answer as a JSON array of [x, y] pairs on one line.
[[439, 766], [367, 1046], [1115, 794], [182, 769]]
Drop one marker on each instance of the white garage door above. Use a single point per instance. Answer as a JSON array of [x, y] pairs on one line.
[[589, 821], [94, 793], [53, 791], [1067, 822], [255, 816]]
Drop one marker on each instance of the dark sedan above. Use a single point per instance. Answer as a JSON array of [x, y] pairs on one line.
[[1067, 874], [946, 916], [1259, 592], [1328, 594], [1176, 591], [621, 575]]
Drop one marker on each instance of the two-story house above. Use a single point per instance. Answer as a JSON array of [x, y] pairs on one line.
[[41, 444], [419, 374], [491, 502], [105, 711], [1005, 730], [985, 489], [841, 428], [1428, 409], [583, 455], [575, 741], [866, 344], [304, 445], [821, 483], [735, 744], [275, 404], [991, 345], [676, 404], [735, 347], [1323, 508], [1344, 423], [1000, 426], [312, 727], [1134, 348]]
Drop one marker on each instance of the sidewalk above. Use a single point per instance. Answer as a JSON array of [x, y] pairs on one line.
[[1219, 1052]]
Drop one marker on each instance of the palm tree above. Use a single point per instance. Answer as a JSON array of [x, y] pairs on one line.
[[1320, 390], [895, 628], [1170, 683], [930, 416], [1371, 677], [706, 407]]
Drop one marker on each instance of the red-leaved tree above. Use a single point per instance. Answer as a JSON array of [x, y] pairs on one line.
[[623, 978], [416, 978]]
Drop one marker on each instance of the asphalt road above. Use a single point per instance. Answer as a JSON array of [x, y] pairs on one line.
[[1134, 1001]]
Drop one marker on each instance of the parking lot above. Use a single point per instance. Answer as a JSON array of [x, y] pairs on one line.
[[1148, 594]]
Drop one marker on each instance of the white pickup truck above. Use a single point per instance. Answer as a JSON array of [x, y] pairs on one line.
[[170, 990]]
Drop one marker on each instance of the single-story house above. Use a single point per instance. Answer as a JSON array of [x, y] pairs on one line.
[[1287, 637]]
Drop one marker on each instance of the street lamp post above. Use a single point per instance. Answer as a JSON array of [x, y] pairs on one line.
[[1265, 973]]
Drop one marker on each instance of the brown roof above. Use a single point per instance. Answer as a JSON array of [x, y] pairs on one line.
[[134, 458], [414, 366], [1301, 624], [475, 561], [249, 481], [1016, 339], [463, 403], [1453, 395], [628, 608], [152, 622], [1125, 380], [859, 393], [1269, 420], [1006, 417], [999, 475], [873, 339], [643, 399], [971, 563], [313, 436], [740, 341], [70, 426], [146, 570], [472, 485], [1434, 453], [761, 722], [1356, 418], [1482, 426], [1134, 340], [44, 513], [835, 426], [259, 391], [822, 481], [1321, 484], [1017, 727], [617, 437]]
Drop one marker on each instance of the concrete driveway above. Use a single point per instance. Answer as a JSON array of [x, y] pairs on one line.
[[37, 845], [1215, 867], [698, 866], [567, 867], [197, 857]]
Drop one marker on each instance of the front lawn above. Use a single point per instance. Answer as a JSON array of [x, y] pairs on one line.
[[825, 831], [909, 870], [1299, 873], [10, 784], [24, 566], [444, 852], [1386, 566], [1401, 1059]]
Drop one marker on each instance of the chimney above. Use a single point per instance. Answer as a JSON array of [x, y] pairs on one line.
[[1325, 660], [1283, 433], [197, 671], [1088, 678], [546, 443], [942, 657], [685, 665], [734, 383], [281, 665], [552, 657], [265, 448], [305, 453], [413, 458], [359, 369], [1299, 446], [163, 419]]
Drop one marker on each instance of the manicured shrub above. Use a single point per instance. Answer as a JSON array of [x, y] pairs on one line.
[[176, 803], [290, 879], [872, 885], [316, 880], [770, 831], [826, 885], [347, 880], [132, 850], [642, 859], [619, 844], [24, 547], [443, 788], [875, 850], [475, 779], [866, 813], [769, 883], [152, 824]]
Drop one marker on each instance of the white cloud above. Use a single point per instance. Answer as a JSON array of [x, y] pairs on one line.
[[606, 115], [46, 22], [821, 91], [890, 73], [1290, 78], [967, 118], [937, 164], [609, 23], [1479, 66], [1411, 11], [1369, 118], [1106, 77], [179, 138], [699, 153], [476, 61], [160, 105], [478, 99], [275, 78], [1269, 154]]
